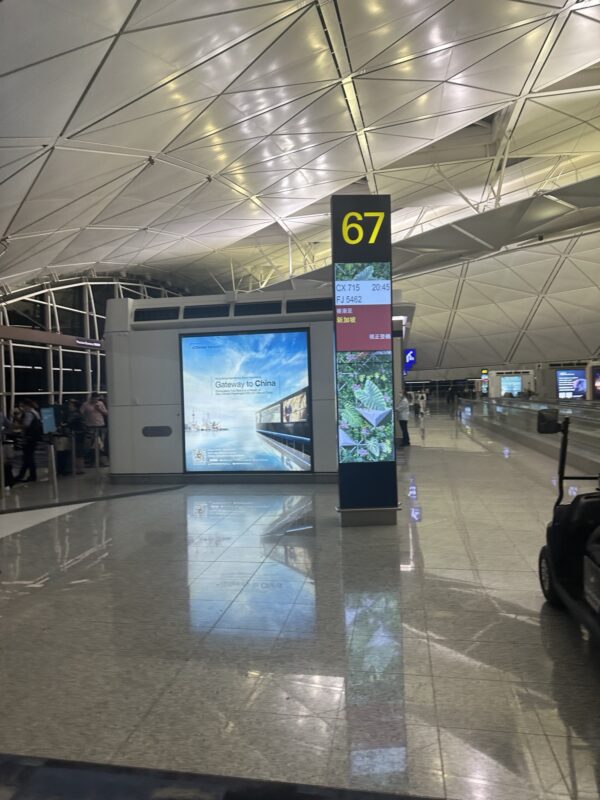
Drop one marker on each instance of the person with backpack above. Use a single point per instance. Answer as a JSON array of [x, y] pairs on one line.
[[31, 424]]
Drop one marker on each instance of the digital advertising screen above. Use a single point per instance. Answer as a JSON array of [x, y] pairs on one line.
[[596, 384], [571, 384], [511, 385], [246, 402]]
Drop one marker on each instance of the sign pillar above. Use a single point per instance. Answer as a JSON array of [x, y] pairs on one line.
[[362, 254]]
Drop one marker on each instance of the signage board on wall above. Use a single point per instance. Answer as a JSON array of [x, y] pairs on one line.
[[361, 244], [410, 359], [596, 383], [571, 384], [246, 401]]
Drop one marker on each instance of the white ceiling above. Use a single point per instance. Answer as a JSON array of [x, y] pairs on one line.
[[523, 305], [188, 140]]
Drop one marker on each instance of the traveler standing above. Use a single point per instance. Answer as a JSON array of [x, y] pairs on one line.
[[7, 451], [416, 406], [74, 422], [31, 424], [403, 412], [95, 414]]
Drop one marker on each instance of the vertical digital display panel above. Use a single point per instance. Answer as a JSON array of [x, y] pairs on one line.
[[571, 384], [246, 402], [361, 243], [485, 383]]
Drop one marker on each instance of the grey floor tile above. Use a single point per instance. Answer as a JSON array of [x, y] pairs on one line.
[[198, 643], [503, 759], [491, 705], [77, 708]]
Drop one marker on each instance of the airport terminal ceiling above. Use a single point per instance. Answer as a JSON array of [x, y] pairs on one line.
[[199, 143]]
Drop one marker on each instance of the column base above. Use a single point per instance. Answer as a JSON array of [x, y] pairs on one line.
[[358, 517]]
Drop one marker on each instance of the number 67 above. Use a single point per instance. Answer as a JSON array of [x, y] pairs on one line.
[[354, 233]]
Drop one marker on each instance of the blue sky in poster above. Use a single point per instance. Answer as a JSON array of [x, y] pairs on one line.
[[221, 372]]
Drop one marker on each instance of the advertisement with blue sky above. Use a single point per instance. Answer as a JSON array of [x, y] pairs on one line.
[[246, 402]]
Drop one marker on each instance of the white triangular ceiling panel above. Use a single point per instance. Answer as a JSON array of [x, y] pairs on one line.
[[162, 12], [502, 343], [573, 50], [131, 71], [529, 351], [462, 19], [569, 277], [183, 43], [25, 257], [13, 191], [370, 28], [505, 278], [213, 153], [34, 31], [558, 343], [577, 313], [512, 62], [590, 334], [284, 63], [150, 195], [434, 325], [31, 106], [149, 132], [518, 310], [70, 182], [378, 98]]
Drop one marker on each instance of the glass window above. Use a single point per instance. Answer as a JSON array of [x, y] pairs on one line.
[[74, 372], [27, 313], [30, 370], [72, 323], [102, 294]]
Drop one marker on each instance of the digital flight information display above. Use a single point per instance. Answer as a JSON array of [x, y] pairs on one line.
[[364, 362]]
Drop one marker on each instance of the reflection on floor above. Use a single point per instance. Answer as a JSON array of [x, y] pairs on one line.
[[41, 779], [238, 631], [93, 484]]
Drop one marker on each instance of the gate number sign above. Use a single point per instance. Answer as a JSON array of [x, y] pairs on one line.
[[361, 244]]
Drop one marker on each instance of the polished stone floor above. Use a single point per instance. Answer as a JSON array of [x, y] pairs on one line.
[[94, 484], [27, 778], [239, 631]]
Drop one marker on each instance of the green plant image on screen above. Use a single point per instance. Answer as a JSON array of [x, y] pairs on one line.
[[365, 406], [378, 271]]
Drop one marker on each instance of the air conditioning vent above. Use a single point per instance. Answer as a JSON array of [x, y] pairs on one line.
[[309, 305], [206, 312], [256, 309], [155, 314]]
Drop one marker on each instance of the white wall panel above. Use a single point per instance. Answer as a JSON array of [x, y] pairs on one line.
[[144, 385], [155, 373], [156, 454]]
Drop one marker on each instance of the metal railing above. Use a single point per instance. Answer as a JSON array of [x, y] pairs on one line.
[[519, 416]]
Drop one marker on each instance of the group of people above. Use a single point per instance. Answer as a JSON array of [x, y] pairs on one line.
[[417, 401], [84, 422]]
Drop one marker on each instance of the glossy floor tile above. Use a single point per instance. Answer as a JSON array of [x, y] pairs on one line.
[[45, 779], [237, 630]]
